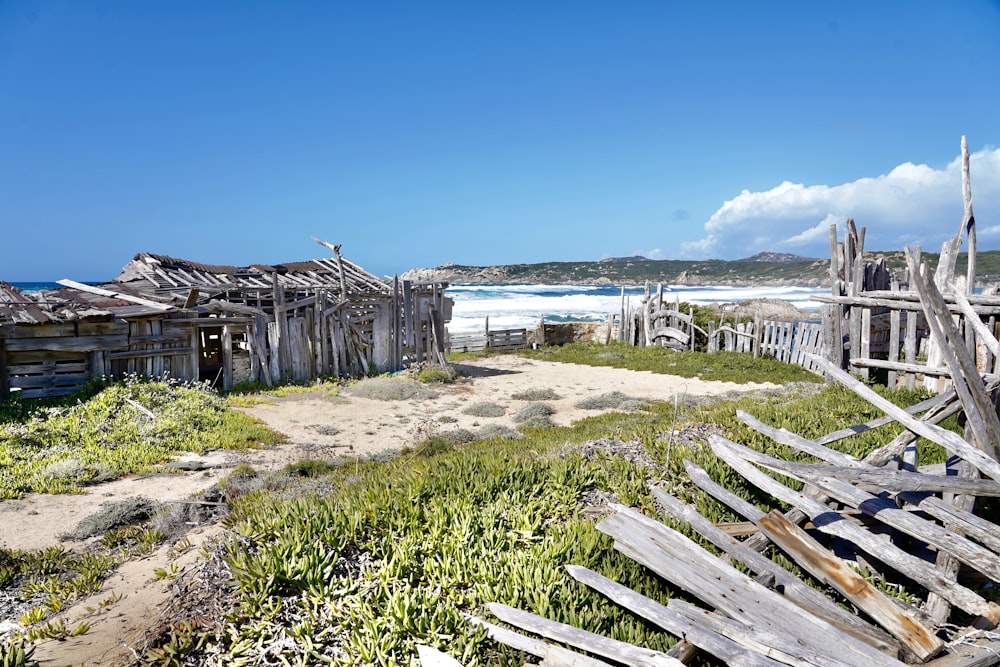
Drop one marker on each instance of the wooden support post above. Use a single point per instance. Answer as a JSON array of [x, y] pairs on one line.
[[280, 340], [4, 374], [194, 360], [227, 357]]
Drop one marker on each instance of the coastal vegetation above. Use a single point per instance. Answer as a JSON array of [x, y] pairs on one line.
[[763, 269], [355, 562]]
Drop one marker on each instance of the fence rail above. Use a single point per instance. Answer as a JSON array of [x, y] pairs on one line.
[[495, 339]]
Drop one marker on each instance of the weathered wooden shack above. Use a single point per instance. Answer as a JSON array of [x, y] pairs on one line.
[[163, 316]]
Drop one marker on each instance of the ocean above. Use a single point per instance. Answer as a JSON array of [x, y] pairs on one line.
[[515, 306]]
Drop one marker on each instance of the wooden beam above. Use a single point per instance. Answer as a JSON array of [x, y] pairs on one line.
[[807, 552], [65, 282]]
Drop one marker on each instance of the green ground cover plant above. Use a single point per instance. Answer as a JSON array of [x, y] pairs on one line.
[[122, 428], [393, 553]]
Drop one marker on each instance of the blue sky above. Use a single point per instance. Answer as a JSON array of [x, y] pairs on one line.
[[487, 133]]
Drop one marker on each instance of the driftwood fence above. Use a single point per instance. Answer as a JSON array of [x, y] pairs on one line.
[[656, 323], [885, 513], [497, 340]]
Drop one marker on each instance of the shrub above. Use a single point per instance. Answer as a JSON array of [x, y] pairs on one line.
[[498, 432], [533, 410], [484, 410], [392, 389], [536, 394], [614, 400], [116, 514]]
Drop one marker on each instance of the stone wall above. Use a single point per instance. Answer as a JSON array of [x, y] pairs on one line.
[[569, 332]]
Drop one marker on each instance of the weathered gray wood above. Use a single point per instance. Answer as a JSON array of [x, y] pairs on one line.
[[431, 657], [681, 561], [826, 567], [972, 318], [922, 406], [671, 621], [68, 343], [976, 650], [932, 371], [669, 332], [979, 410], [833, 523], [807, 597], [227, 358], [763, 640], [883, 510], [950, 441], [619, 651], [551, 654], [893, 355], [147, 354], [156, 305], [910, 347], [894, 480], [949, 566]]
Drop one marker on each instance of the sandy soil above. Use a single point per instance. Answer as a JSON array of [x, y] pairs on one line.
[[319, 427]]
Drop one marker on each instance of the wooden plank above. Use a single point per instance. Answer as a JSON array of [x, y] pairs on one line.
[[765, 641], [619, 651], [157, 305], [79, 328], [866, 339], [552, 655], [53, 380], [976, 649], [45, 367], [889, 478], [669, 332], [807, 552], [676, 624], [810, 599], [68, 344], [685, 564], [834, 523], [922, 406], [149, 354], [946, 563], [893, 345], [227, 358], [910, 348], [950, 441], [979, 409], [209, 321], [967, 522]]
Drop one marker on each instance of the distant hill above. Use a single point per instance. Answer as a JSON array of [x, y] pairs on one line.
[[766, 268], [778, 257]]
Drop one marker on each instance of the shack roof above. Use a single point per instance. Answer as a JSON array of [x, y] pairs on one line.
[[51, 307], [151, 273]]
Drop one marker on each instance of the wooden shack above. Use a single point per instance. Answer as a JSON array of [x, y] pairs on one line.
[[168, 317]]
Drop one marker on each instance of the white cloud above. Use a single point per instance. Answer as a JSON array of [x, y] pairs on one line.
[[911, 204]]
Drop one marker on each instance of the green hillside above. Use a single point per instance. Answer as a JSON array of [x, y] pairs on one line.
[[638, 270]]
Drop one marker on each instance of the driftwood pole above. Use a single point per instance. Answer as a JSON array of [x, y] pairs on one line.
[[968, 220]]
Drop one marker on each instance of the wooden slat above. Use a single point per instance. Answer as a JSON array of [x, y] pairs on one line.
[[144, 354], [826, 567], [671, 621], [833, 523], [807, 597], [685, 564], [68, 344], [619, 651], [950, 441]]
